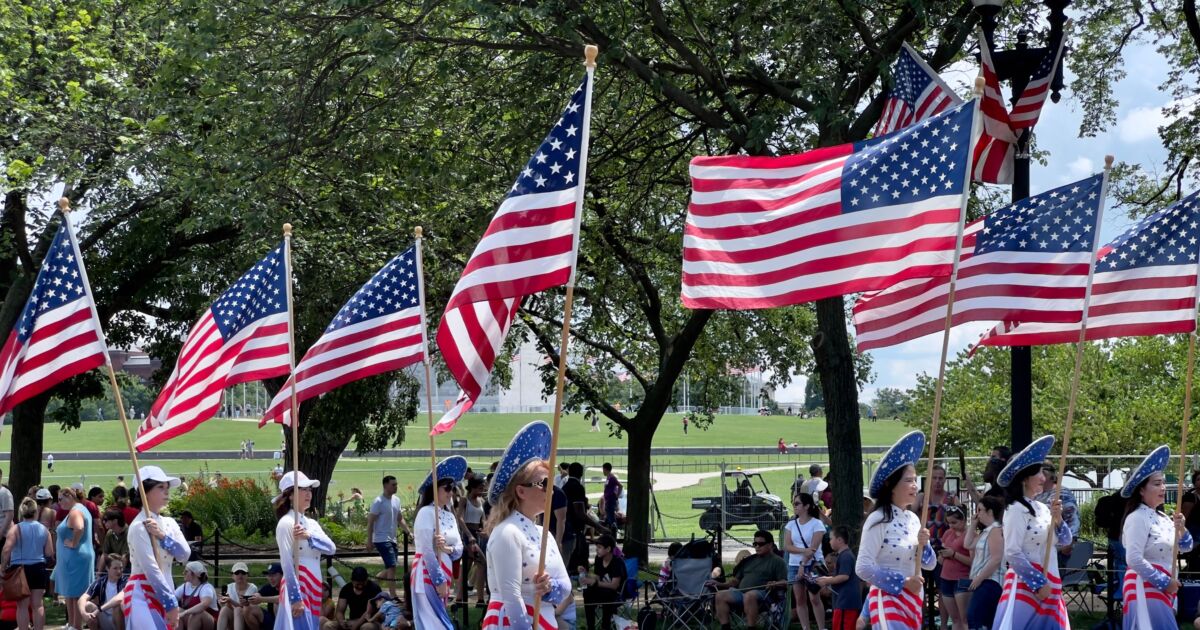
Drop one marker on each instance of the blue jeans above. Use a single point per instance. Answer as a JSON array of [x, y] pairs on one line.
[[387, 551], [981, 612]]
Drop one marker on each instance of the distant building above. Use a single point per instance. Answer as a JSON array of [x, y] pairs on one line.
[[135, 363]]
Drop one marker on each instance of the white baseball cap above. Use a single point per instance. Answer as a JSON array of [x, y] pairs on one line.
[[42, 494], [196, 567], [285, 482], [154, 473], [240, 566], [77, 486]]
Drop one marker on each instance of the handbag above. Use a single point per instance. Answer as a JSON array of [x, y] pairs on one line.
[[16, 587]]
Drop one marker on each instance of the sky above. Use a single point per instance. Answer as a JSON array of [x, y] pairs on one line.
[[1133, 139]]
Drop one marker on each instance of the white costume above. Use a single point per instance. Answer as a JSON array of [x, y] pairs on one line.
[[150, 591], [1024, 550], [512, 561], [887, 557], [1149, 538], [309, 581], [429, 611]]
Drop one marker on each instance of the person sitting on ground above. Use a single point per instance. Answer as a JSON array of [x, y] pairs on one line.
[[389, 613], [237, 612], [268, 596], [353, 610], [602, 588], [747, 589], [197, 599], [192, 532], [100, 605]]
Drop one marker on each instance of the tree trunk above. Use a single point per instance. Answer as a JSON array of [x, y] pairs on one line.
[[637, 491], [25, 456], [318, 461], [835, 367]]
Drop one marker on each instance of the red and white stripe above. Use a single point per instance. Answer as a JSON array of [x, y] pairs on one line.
[[902, 610], [763, 232], [65, 342], [1129, 589], [495, 618], [936, 98], [996, 122], [1001, 286], [1028, 108], [1136, 302], [1053, 606], [208, 365], [370, 347]]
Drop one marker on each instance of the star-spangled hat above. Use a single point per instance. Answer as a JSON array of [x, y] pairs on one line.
[[1031, 455], [454, 467], [905, 452], [531, 442], [1155, 462]]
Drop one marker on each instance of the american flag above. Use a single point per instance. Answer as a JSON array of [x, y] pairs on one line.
[[996, 149], [1144, 284], [1026, 262], [763, 232], [917, 93], [377, 331], [529, 246], [1028, 107], [242, 337], [58, 334]]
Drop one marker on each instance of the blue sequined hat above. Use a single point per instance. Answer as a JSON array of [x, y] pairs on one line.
[[450, 468], [1031, 455], [531, 442], [1155, 462], [905, 452]]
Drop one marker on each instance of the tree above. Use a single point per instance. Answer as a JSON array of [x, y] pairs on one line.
[[890, 402], [813, 397]]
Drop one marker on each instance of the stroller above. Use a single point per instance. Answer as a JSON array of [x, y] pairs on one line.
[[685, 600]]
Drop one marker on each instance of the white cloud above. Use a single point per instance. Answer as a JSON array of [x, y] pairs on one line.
[[1142, 123], [1079, 168]]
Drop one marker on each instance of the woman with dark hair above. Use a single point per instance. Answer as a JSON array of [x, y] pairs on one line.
[[892, 537], [300, 598], [802, 541], [518, 496], [437, 546], [154, 541], [1032, 595], [987, 562], [1149, 537]]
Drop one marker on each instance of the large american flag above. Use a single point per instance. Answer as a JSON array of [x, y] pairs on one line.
[[996, 149], [1028, 108], [242, 337], [378, 330], [763, 232], [1026, 262], [58, 334], [1144, 284], [917, 93], [528, 247]]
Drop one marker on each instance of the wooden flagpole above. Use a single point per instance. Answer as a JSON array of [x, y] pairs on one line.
[[949, 322], [433, 476], [1183, 440], [589, 53], [64, 206], [1079, 345], [298, 516]]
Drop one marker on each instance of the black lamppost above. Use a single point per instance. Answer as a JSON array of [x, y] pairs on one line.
[[1016, 66]]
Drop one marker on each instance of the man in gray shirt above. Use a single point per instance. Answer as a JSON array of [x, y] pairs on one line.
[[382, 521], [6, 510]]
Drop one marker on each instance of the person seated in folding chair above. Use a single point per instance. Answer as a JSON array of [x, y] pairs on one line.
[[752, 577], [603, 587]]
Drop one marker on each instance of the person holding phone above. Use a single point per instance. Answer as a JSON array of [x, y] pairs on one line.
[[802, 538], [236, 610]]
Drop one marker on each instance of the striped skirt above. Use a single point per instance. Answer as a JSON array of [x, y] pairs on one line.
[[1021, 609], [429, 611], [311, 589], [141, 606], [894, 612], [1146, 607], [496, 619]]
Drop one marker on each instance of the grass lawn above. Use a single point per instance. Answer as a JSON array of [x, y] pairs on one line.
[[482, 430]]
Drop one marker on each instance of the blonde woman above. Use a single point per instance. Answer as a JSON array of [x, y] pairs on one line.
[[518, 497], [28, 545]]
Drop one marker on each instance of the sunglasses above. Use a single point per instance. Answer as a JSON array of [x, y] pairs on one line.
[[539, 484], [449, 485], [760, 543]]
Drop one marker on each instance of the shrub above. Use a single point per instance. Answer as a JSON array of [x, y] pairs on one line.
[[236, 506], [342, 535]]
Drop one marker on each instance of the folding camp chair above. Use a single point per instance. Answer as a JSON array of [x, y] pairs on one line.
[[685, 601], [1076, 585]]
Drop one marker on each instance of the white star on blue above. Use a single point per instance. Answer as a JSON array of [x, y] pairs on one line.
[[1167, 237], [1057, 221], [1033, 454], [555, 164], [260, 292], [392, 289], [531, 442], [59, 282], [905, 452]]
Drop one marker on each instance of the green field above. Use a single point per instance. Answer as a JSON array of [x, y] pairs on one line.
[[482, 430]]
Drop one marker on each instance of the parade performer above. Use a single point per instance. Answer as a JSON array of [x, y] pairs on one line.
[[891, 536], [301, 589], [1032, 597], [514, 538], [431, 572], [154, 541], [1149, 537]]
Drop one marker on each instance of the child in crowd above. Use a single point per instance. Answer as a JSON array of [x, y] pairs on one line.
[[847, 591]]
